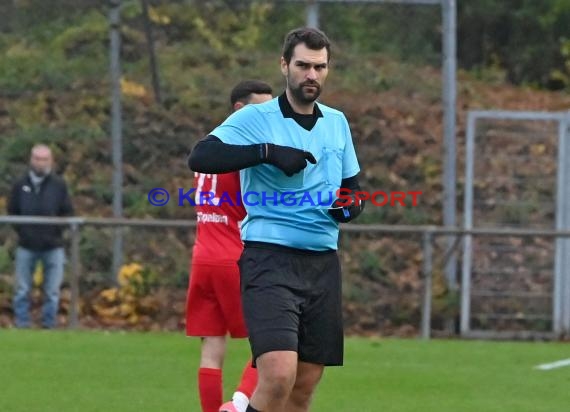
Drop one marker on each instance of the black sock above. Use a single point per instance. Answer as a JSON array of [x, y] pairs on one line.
[[251, 409]]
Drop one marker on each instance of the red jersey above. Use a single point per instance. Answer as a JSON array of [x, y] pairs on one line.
[[218, 237]]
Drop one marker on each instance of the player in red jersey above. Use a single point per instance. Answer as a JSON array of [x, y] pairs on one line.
[[213, 307]]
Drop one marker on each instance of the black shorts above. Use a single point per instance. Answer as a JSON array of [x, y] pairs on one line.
[[292, 300]]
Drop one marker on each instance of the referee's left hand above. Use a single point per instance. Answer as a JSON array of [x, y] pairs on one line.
[[346, 213]]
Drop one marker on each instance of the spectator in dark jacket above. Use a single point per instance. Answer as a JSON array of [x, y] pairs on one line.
[[39, 193]]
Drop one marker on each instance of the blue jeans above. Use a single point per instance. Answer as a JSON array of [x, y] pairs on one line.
[[26, 260]]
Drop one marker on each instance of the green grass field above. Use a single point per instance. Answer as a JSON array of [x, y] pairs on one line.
[[60, 371]]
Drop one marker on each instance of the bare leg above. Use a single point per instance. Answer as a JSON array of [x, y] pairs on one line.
[[276, 376], [308, 376], [213, 352]]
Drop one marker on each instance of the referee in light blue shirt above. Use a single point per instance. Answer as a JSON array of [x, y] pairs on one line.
[[290, 271]]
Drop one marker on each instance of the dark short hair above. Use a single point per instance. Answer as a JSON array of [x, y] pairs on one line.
[[243, 90], [313, 38]]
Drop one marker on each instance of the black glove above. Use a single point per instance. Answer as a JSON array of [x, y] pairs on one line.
[[345, 210], [288, 159]]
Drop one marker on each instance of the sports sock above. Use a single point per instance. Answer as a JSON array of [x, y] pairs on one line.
[[240, 401], [248, 380], [210, 388]]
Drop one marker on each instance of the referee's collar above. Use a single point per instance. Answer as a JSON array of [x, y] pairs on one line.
[[288, 111]]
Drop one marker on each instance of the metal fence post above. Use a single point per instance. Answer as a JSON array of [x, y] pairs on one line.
[[449, 17], [561, 243], [427, 249], [465, 311], [312, 13], [565, 284], [75, 264], [116, 130]]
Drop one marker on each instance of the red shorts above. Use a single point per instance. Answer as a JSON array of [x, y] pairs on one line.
[[213, 304]]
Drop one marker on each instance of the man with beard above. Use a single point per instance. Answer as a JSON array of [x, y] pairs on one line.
[[290, 150], [39, 193]]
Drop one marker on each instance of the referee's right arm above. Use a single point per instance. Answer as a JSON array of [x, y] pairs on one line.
[[211, 155]]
